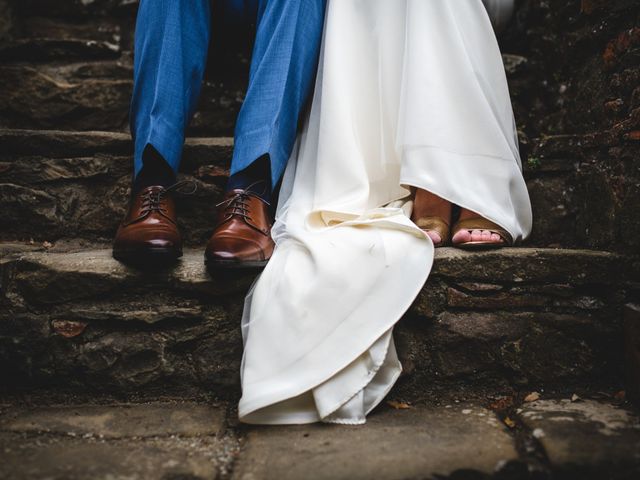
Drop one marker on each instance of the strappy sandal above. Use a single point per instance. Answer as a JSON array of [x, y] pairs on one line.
[[435, 224], [480, 223]]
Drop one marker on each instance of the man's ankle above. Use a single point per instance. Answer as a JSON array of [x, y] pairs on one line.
[[155, 171], [256, 178]]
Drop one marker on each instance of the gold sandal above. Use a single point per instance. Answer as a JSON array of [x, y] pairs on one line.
[[480, 223], [435, 224]]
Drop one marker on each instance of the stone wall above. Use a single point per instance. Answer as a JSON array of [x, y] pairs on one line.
[[494, 321], [576, 91]]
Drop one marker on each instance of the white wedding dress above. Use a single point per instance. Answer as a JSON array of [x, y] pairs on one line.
[[408, 93]]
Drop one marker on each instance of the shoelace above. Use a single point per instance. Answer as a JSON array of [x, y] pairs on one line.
[[237, 205], [152, 199]]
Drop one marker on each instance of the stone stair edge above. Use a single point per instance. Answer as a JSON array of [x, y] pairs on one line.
[[546, 146], [511, 264], [14, 140]]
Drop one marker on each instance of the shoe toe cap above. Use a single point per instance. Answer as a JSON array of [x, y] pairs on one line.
[[160, 243], [234, 249], [147, 239]]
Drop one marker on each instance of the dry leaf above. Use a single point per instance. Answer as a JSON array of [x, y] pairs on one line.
[[532, 397], [68, 328], [509, 423], [501, 403], [398, 405], [620, 395], [575, 398]]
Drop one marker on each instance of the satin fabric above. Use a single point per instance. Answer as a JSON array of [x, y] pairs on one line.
[[408, 93], [500, 12]]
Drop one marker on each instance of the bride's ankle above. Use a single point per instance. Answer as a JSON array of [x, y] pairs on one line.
[[466, 213], [427, 204]]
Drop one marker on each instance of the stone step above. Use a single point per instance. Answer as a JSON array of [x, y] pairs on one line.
[[59, 184], [505, 319], [69, 65], [75, 185], [94, 94], [546, 439]]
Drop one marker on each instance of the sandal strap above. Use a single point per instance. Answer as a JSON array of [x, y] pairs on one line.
[[480, 223], [436, 224]]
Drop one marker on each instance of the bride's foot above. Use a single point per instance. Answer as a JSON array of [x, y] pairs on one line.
[[473, 230], [433, 215]]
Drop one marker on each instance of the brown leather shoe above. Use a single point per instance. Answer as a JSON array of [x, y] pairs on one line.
[[242, 238], [149, 233]]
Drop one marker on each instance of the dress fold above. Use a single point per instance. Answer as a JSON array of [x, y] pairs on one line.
[[409, 93]]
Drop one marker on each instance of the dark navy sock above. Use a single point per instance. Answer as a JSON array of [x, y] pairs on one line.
[[256, 178], [155, 171]]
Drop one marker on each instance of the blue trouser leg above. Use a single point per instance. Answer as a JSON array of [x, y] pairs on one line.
[[283, 66], [171, 43]]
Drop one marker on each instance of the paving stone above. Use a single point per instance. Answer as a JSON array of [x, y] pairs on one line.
[[118, 421], [399, 444], [29, 458], [586, 435]]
